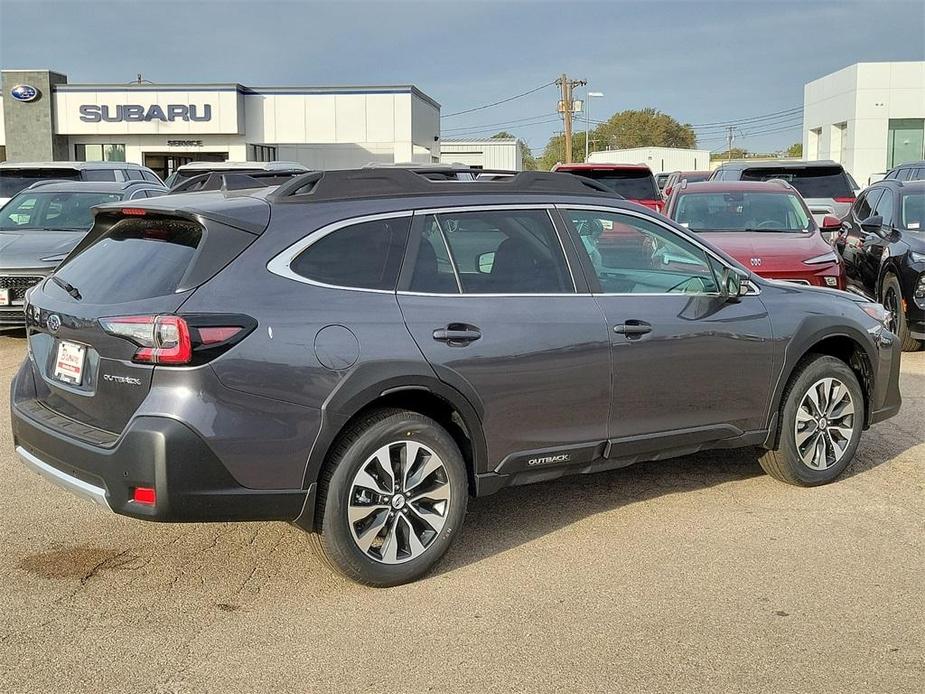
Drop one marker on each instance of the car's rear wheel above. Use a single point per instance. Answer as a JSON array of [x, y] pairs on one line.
[[820, 425], [891, 298], [392, 498]]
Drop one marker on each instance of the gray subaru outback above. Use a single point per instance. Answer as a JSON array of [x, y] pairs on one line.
[[359, 352]]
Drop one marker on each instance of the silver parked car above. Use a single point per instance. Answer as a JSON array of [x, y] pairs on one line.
[[42, 224], [17, 176], [825, 185]]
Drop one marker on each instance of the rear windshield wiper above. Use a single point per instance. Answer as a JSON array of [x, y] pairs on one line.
[[66, 286]]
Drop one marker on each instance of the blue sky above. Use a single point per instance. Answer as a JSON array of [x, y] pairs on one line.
[[701, 62]]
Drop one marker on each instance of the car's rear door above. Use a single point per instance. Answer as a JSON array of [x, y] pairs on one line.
[[689, 367], [488, 295]]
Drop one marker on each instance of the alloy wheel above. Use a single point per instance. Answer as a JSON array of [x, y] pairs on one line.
[[891, 303], [824, 424], [398, 503]]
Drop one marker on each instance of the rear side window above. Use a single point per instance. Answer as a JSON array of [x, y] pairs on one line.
[[148, 176], [135, 259], [367, 255], [811, 181], [99, 175], [133, 174], [918, 175], [491, 252]]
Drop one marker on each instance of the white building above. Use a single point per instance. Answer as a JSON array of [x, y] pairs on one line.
[[659, 159], [868, 117], [166, 125], [485, 153]]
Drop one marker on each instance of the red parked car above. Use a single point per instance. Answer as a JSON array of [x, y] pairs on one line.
[[633, 181], [675, 177], [766, 226]]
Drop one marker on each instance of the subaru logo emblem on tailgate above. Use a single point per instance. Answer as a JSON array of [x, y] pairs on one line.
[[53, 322], [24, 92]]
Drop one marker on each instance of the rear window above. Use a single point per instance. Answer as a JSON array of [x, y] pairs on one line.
[[135, 259], [14, 180], [632, 184], [811, 181], [366, 255]]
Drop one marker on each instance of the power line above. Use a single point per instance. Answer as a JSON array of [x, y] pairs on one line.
[[760, 124], [738, 121], [502, 101], [556, 119], [500, 123]]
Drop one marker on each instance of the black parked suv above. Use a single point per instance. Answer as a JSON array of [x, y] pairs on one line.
[[910, 171], [883, 246], [358, 352]]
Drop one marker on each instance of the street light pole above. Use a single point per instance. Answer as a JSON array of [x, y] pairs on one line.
[[588, 124]]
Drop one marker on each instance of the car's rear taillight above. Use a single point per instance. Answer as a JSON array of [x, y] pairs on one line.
[[177, 341], [844, 198], [162, 339]]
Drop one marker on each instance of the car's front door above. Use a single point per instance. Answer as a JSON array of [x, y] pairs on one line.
[[875, 243], [689, 365], [851, 245], [488, 295]]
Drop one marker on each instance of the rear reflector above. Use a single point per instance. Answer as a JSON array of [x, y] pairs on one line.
[[144, 495]]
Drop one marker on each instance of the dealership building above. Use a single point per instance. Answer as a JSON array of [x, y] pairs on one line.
[[166, 125], [868, 117]]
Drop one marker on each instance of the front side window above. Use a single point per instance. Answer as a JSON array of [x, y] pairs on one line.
[[52, 211], [862, 208], [366, 255], [885, 207], [913, 211], [742, 211], [632, 255], [491, 252]]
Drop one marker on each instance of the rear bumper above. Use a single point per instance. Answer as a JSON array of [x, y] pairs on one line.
[[190, 482]]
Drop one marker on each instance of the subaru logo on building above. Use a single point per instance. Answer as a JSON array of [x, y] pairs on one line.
[[24, 92]]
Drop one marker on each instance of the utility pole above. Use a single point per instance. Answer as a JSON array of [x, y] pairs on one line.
[[730, 136], [565, 87]]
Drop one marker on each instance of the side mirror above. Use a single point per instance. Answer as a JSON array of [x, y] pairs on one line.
[[873, 224], [831, 223], [733, 285], [486, 262]]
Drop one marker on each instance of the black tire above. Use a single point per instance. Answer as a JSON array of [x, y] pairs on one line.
[[901, 328], [784, 463], [335, 538]]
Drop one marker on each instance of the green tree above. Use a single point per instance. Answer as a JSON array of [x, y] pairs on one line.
[[734, 153], [647, 127], [795, 150], [555, 150], [529, 162]]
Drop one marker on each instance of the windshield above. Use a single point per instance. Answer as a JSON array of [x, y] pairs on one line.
[[58, 211], [913, 211], [742, 211], [811, 181], [632, 184], [14, 180]]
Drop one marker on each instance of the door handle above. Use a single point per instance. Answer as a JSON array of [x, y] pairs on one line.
[[633, 328], [457, 334]]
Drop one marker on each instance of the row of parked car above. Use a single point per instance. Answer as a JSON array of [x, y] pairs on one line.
[[359, 352], [801, 222]]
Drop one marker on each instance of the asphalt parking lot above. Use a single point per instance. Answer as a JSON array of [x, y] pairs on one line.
[[694, 574]]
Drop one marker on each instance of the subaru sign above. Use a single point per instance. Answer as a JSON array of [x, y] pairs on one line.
[[24, 92], [93, 113]]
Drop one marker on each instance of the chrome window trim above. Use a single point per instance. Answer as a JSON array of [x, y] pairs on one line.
[[449, 252], [563, 208], [280, 263], [549, 207]]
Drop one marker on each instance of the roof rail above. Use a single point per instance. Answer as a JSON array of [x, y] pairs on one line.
[[389, 182], [231, 180]]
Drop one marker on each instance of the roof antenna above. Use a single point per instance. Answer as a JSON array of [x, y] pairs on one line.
[[140, 80]]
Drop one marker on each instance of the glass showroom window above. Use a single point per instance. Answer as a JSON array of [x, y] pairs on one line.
[[112, 152]]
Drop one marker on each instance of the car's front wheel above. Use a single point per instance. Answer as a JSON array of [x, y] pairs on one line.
[[820, 426], [392, 496]]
